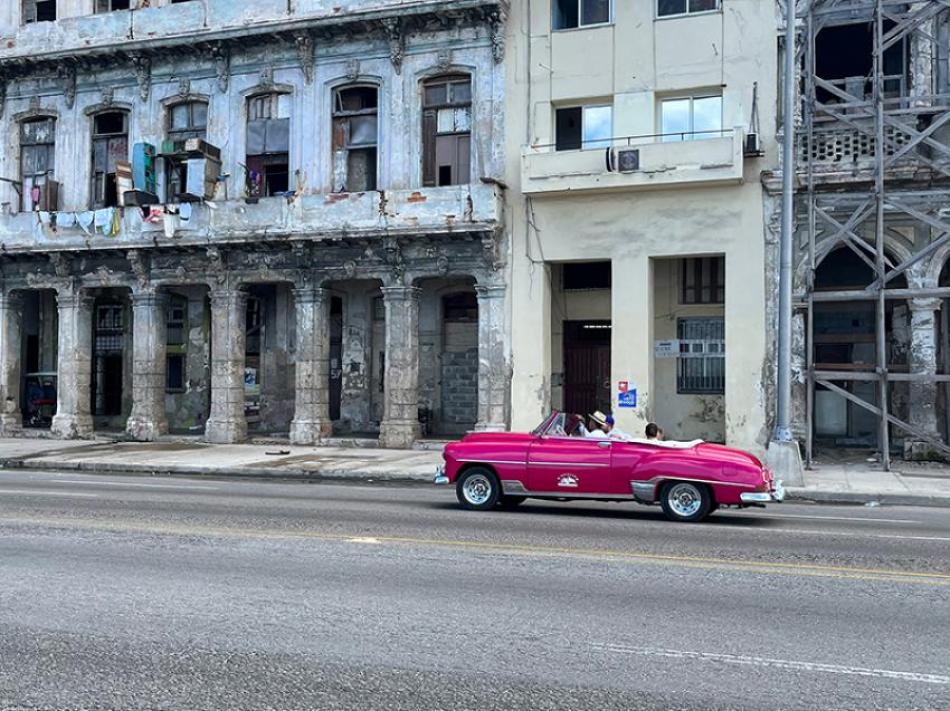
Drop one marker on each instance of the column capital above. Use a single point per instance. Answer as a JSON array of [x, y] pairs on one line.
[[310, 294], [77, 298], [925, 304], [223, 298], [148, 297], [401, 293]]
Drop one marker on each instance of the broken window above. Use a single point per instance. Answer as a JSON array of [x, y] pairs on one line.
[[701, 365], [39, 11], [186, 120], [268, 144], [844, 56], [110, 5], [37, 160], [355, 138], [569, 14], [583, 127], [703, 280], [110, 145], [666, 8], [690, 118], [447, 131]]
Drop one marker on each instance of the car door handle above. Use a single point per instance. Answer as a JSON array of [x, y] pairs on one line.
[[603, 445]]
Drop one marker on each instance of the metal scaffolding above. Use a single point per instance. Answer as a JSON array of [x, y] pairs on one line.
[[870, 154]]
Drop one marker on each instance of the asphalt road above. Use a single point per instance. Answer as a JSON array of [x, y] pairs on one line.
[[157, 593]]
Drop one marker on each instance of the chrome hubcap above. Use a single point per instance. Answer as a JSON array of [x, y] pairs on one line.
[[685, 499], [477, 489]]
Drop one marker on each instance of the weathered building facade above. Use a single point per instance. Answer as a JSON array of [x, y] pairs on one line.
[[637, 132], [312, 239]]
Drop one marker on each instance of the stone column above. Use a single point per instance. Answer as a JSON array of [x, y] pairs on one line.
[[400, 425], [492, 368], [311, 421], [149, 321], [227, 424], [11, 320], [923, 360], [73, 417]]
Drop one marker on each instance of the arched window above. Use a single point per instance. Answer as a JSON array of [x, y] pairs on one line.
[[37, 160], [355, 138], [268, 144], [110, 144], [447, 130], [186, 120]]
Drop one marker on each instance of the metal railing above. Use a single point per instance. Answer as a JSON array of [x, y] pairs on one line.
[[643, 139]]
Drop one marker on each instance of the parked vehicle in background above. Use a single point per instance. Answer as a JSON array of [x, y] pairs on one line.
[[689, 480]]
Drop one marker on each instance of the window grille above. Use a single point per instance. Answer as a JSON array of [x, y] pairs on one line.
[[701, 365]]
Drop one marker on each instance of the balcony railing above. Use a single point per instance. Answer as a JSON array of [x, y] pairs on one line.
[[662, 160], [429, 211]]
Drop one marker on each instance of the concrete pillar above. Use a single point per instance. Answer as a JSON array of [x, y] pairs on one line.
[[227, 424], [400, 425], [923, 360], [492, 368], [149, 318], [311, 421], [11, 320], [73, 418]]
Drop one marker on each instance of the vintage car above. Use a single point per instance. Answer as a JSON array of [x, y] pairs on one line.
[[689, 480]]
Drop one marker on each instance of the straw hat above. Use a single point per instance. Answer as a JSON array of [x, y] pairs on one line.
[[599, 417]]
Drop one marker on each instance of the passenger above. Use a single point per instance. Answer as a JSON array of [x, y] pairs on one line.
[[615, 432], [654, 432], [574, 426], [598, 425]]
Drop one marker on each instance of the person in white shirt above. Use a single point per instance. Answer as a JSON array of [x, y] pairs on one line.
[[598, 425], [616, 433]]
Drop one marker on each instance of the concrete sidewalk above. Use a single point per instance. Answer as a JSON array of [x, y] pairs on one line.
[[193, 458], [854, 482]]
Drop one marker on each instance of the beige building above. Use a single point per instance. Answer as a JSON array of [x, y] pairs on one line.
[[637, 135]]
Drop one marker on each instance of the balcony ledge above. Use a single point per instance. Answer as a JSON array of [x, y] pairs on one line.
[[679, 164], [424, 211]]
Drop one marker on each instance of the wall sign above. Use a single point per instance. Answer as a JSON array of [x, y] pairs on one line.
[[626, 394]]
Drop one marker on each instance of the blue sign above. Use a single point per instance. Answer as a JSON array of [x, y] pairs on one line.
[[628, 398]]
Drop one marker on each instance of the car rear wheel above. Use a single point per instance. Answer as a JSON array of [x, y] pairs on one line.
[[478, 489], [685, 501]]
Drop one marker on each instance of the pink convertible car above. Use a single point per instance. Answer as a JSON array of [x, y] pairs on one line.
[[689, 480]]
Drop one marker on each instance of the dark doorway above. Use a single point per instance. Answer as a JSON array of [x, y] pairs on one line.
[[108, 359], [336, 356], [586, 366]]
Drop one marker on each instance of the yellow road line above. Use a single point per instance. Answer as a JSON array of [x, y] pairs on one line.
[[704, 562]]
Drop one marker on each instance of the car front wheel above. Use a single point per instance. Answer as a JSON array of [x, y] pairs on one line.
[[478, 489], [685, 501]]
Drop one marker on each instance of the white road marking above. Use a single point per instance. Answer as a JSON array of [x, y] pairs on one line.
[[46, 492], [841, 518], [919, 677], [362, 539], [85, 482]]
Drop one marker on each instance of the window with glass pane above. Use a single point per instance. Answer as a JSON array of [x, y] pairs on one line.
[[110, 145], [37, 157], [355, 132], [703, 280], [267, 149], [446, 130], [186, 120], [568, 14], [691, 118], [597, 126], [583, 127], [666, 8], [701, 365]]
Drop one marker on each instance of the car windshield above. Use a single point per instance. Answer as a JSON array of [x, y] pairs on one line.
[[560, 424]]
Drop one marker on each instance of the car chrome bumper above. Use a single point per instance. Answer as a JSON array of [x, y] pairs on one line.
[[764, 497], [440, 477]]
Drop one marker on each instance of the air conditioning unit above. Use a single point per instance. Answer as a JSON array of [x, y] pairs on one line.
[[202, 179], [753, 147], [623, 160], [199, 147]]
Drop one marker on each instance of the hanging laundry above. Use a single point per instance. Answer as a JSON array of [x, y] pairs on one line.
[[35, 196], [170, 225], [116, 223], [66, 220], [53, 222], [85, 220], [185, 211], [104, 219], [44, 217]]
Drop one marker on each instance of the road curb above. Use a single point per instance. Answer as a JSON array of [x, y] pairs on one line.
[[859, 498], [263, 473]]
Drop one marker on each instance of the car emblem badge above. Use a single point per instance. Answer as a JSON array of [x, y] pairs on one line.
[[568, 480]]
